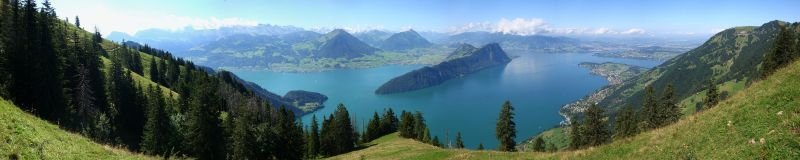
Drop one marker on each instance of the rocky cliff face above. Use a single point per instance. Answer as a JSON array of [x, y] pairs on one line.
[[463, 61]]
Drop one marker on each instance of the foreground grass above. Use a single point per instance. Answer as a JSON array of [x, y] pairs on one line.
[[759, 122], [24, 136]]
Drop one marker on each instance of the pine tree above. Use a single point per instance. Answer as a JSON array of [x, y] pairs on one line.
[[669, 110], [435, 141], [157, 128], [459, 142], [712, 94], [243, 140], [337, 135], [538, 144], [626, 123], [290, 136], [373, 128], [127, 102], [406, 126], [596, 128], [506, 131], [162, 65], [388, 122], [313, 140], [576, 137], [204, 134], [426, 136], [783, 52], [648, 115], [155, 76], [480, 146], [420, 127]]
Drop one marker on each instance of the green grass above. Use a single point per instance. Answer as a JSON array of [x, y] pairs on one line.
[[690, 104], [24, 136], [733, 129]]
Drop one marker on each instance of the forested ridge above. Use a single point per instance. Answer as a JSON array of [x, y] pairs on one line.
[[145, 99]]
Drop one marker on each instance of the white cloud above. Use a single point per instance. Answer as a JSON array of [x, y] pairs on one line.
[[107, 20], [533, 26], [521, 26], [482, 26], [349, 29], [633, 31]]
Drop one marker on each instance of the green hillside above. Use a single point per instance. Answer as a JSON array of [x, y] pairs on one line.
[[25, 136], [760, 122], [731, 56]]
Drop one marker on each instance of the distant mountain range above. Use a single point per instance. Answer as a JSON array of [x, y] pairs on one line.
[[465, 60], [530, 43], [261, 46]]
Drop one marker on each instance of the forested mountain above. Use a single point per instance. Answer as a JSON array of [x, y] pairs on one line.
[[465, 60], [405, 40], [734, 57]]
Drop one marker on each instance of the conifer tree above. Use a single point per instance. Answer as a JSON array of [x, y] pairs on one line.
[[313, 140], [782, 52], [669, 110], [596, 132], [204, 134], [712, 95], [243, 140], [435, 141], [337, 134], [420, 127], [155, 76], [648, 115], [406, 126], [626, 123], [157, 129], [576, 137], [388, 122], [480, 146], [373, 128], [538, 144], [127, 102], [506, 131], [459, 142]]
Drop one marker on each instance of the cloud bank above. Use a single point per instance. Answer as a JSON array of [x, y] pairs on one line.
[[534, 26], [132, 22]]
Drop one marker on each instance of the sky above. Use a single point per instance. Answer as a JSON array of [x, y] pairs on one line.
[[530, 17]]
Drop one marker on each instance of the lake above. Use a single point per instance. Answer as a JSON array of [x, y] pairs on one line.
[[536, 84]]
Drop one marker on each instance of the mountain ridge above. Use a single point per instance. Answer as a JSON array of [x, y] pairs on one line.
[[475, 60]]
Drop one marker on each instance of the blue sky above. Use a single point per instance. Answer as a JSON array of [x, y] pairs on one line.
[[521, 17]]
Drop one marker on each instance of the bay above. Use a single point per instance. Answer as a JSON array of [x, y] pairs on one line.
[[537, 84]]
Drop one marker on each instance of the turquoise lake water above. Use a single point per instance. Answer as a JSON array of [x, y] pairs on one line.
[[536, 84]]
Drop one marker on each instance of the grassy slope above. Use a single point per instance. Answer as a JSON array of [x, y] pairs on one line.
[[732, 130], [140, 80], [25, 136]]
